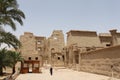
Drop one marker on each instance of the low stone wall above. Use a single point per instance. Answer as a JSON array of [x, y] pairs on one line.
[[103, 61]]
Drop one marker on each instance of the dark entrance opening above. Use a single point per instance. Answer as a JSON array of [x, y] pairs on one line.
[[58, 58], [29, 58], [63, 57], [77, 59], [36, 58]]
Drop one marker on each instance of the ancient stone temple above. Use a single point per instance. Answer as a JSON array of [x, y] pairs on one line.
[[55, 45], [84, 51]]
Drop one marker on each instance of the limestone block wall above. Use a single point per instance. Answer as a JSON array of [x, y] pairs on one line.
[[100, 61], [118, 38], [28, 44], [83, 39]]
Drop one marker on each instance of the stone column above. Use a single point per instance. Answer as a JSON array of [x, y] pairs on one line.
[[50, 58], [79, 60], [65, 57], [70, 56], [74, 63]]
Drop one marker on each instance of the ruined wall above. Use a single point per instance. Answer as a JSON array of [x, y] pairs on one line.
[[100, 61], [56, 41], [55, 45], [105, 39]]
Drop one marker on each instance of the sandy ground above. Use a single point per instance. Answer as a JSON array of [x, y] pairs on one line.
[[62, 74]]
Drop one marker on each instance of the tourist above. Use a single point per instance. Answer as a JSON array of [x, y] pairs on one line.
[[51, 71]]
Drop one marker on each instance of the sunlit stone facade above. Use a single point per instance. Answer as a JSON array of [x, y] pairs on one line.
[[32, 46], [84, 50]]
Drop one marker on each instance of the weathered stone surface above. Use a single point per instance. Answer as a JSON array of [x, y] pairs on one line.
[[32, 46], [85, 50]]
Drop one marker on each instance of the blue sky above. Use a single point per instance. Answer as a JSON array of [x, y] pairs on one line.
[[44, 16]]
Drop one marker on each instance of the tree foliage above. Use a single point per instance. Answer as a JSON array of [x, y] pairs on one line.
[[9, 39], [9, 59], [16, 56], [9, 13], [5, 60]]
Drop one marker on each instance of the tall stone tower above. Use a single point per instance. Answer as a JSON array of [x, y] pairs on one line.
[[55, 46], [33, 47]]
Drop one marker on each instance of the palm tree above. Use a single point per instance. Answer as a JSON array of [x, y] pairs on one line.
[[9, 39], [9, 13], [16, 56], [5, 60]]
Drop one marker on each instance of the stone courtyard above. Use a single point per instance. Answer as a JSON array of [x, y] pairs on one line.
[[62, 74]]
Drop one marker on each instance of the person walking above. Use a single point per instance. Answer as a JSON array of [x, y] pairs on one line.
[[51, 71]]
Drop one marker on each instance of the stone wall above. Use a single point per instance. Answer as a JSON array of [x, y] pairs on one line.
[[28, 44], [83, 39], [102, 61], [55, 45], [118, 38], [32, 47]]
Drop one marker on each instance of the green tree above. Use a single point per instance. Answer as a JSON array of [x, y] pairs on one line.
[[16, 56], [5, 60], [9, 13], [9, 39]]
